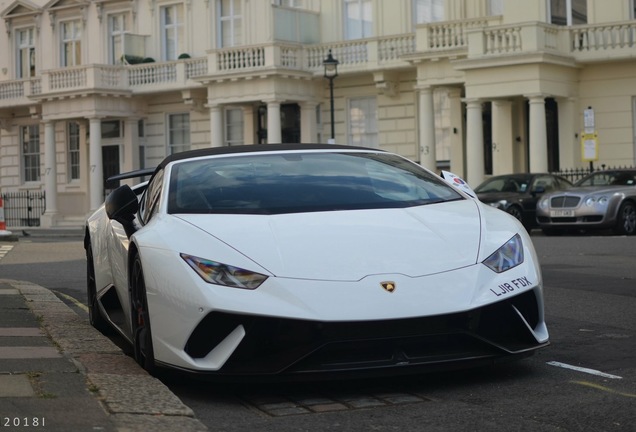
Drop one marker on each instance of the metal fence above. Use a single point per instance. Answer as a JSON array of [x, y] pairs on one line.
[[576, 174], [23, 209]]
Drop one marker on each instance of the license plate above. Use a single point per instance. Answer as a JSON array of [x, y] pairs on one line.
[[561, 213]]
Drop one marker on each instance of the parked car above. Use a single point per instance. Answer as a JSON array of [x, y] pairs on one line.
[[602, 200], [295, 260], [518, 194]]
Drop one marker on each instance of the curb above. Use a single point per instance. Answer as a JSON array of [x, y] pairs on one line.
[[133, 399]]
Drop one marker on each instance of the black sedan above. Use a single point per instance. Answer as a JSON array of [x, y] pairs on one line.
[[518, 194]]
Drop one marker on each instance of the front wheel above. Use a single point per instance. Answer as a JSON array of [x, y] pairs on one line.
[[141, 333], [626, 220]]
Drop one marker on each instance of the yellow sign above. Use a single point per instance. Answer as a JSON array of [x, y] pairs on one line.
[[589, 147]]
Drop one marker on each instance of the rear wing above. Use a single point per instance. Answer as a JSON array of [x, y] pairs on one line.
[[131, 174]]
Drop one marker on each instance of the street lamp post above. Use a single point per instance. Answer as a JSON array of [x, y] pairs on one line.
[[331, 72]]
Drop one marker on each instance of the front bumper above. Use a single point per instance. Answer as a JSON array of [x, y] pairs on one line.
[[278, 346]]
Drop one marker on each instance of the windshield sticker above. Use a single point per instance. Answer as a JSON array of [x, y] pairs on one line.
[[513, 285]]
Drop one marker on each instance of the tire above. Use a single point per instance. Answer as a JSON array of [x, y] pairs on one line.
[[626, 219], [95, 316], [140, 318], [516, 212]]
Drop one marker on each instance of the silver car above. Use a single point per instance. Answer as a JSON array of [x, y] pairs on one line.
[[602, 200]]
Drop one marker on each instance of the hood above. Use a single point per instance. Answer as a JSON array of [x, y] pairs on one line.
[[349, 245], [587, 190]]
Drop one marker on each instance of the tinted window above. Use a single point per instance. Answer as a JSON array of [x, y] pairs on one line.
[[150, 201], [302, 182]]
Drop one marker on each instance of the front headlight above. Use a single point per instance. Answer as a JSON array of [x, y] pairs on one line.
[[501, 204], [508, 256], [222, 274], [591, 201], [544, 203]]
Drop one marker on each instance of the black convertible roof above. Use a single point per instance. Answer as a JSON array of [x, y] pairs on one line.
[[248, 148]]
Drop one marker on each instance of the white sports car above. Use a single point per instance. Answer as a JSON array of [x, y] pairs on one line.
[[279, 260]]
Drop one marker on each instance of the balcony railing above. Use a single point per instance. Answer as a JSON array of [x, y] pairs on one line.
[[474, 39]]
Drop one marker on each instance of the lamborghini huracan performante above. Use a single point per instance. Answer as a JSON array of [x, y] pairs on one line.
[[310, 260]]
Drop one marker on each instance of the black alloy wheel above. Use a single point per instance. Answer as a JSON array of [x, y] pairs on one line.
[[141, 333], [626, 219], [94, 314]]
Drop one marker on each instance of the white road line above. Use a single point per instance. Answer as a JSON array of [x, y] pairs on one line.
[[584, 370]]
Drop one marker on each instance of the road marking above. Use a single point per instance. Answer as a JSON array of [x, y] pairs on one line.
[[73, 300], [4, 250], [584, 370], [603, 388]]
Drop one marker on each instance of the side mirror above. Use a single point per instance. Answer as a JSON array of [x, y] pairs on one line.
[[121, 206]]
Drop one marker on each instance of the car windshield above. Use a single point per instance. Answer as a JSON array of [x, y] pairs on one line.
[[503, 184], [269, 183], [609, 178]]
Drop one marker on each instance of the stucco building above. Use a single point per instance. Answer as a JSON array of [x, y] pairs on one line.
[[90, 88]]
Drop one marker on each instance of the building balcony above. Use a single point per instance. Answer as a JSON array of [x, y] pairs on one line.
[[477, 42]]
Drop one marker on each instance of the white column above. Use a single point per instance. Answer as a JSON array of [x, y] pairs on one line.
[[458, 162], [475, 171], [274, 135], [569, 138], [308, 124], [216, 126], [96, 167], [502, 139], [50, 175], [249, 125], [538, 135], [131, 145], [428, 157]]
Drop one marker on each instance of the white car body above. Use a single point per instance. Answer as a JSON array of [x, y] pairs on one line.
[[325, 270]]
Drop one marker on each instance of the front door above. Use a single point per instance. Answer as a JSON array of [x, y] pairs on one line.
[[110, 163]]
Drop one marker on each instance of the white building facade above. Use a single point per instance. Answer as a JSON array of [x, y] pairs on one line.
[[92, 88]]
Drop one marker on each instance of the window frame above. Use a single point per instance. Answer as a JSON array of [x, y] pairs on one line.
[[360, 138], [569, 16], [31, 55], [366, 30], [186, 130], [74, 41], [73, 146], [116, 37], [231, 126], [432, 6], [233, 19], [30, 153], [178, 45]]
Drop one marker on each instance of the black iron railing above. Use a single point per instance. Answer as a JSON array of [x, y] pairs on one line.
[[575, 174], [23, 209]]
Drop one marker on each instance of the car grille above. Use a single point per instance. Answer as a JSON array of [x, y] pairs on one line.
[[564, 201], [288, 346]]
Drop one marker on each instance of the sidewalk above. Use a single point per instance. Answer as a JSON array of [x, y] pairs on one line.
[[57, 373]]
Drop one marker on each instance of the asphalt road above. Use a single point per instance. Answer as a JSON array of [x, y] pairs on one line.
[[584, 381]]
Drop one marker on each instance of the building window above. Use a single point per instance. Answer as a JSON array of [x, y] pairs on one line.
[[230, 23], [71, 41], [363, 121], [178, 133], [632, 9], [112, 129], [172, 36], [358, 19], [427, 11], [234, 126], [25, 47], [30, 142], [288, 3], [117, 27], [568, 12], [495, 7], [73, 136]]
